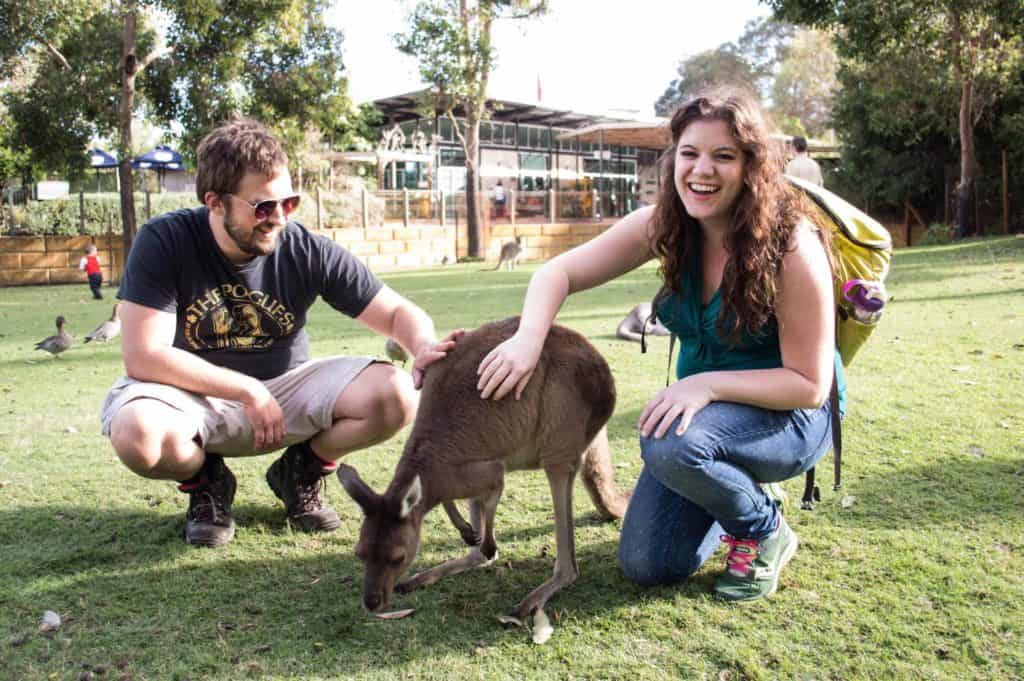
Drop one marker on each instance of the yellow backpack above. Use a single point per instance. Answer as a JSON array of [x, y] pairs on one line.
[[863, 249]]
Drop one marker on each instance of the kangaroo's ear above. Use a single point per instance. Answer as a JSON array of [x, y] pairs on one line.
[[413, 495], [360, 492]]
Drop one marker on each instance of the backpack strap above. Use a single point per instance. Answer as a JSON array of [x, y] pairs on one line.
[[811, 491]]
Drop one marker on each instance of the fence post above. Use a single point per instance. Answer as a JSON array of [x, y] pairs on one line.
[[552, 213], [319, 218], [595, 207], [81, 212], [365, 212], [405, 206], [149, 209], [512, 206], [444, 216]]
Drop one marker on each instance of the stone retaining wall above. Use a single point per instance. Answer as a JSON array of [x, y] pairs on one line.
[[28, 260]]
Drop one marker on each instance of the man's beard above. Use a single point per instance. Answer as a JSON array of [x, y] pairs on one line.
[[246, 243]]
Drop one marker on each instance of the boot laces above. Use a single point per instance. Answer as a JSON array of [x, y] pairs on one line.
[[742, 553], [309, 491]]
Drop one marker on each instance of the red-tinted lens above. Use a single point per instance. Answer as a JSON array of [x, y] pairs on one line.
[[264, 209], [289, 204]]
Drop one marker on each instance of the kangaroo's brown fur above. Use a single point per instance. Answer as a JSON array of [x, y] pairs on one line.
[[461, 446]]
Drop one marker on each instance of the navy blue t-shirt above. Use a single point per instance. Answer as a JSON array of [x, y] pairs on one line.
[[250, 318]]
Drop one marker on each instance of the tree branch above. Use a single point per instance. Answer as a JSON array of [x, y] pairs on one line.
[[151, 57], [54, 51]]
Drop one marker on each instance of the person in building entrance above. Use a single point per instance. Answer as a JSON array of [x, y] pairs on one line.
[[747, 286], [802, 165], [216, 351], [499, 200]]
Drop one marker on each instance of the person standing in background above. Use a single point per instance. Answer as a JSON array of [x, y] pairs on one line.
[[90, 263], [802, 165]]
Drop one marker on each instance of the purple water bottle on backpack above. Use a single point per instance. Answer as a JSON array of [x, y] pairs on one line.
[[866, 299]]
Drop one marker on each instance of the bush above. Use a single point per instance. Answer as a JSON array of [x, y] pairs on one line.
[[60, 217], [339, 210], [937, 233]]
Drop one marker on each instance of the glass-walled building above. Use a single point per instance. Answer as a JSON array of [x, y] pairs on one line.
[[520, 146]]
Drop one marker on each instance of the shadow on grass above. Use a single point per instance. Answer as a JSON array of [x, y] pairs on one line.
[[132, 594], [944, 494]]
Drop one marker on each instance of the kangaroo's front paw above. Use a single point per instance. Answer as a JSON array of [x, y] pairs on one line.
[[417, 581], [470, 537]]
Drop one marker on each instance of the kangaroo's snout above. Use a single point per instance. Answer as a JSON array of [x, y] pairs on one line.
[[373, 602]]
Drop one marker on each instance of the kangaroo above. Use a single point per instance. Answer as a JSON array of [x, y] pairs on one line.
[[460, 447], [511, 254], [633, 324]]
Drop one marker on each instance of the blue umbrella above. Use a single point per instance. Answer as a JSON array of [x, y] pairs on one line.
[[160, 159], [100, 159]]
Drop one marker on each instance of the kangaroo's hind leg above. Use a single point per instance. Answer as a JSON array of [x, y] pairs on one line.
[[482, 510], [560, 480]]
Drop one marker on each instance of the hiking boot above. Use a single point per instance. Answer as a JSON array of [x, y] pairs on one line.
[[298, 479], [208, 521], [753, 567]]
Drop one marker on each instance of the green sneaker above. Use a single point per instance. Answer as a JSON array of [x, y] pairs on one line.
[[777, 494], [753, 567]]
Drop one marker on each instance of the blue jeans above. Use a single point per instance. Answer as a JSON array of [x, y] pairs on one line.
[[696, 486]]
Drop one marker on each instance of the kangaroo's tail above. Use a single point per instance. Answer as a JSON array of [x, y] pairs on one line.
[[598, 478]]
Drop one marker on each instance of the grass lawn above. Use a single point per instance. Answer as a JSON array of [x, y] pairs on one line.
[[912, 570]]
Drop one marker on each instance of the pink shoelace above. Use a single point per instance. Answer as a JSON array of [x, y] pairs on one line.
[[742, 552]]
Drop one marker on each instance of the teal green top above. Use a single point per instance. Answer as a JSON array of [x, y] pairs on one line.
[[701, 348]]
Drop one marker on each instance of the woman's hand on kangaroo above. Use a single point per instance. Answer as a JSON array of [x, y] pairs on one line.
[[685, 397], [507, 367], [432, 353]]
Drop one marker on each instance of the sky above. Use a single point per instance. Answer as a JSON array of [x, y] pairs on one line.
[[590, 56]]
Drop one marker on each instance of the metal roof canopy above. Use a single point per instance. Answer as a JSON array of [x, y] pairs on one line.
[[401, 108], [650, 135]]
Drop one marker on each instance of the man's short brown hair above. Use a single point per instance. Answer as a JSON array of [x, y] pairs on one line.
[[231, 150]]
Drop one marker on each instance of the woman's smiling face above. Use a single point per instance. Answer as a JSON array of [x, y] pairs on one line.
[[709, 172]]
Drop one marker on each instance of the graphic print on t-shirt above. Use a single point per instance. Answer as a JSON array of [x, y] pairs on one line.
[[237, 317]]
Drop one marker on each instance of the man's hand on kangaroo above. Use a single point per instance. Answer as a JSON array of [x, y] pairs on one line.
[[432, 353]]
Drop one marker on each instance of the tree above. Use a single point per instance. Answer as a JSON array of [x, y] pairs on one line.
[[806, 81], [721, 66], [13, 161], [99, 67], [452, 41], [978, 42]]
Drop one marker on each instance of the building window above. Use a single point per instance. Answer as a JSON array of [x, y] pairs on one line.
[[453, 157], [510, 134]]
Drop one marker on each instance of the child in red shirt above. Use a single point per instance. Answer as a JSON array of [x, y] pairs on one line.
[[90, 262]]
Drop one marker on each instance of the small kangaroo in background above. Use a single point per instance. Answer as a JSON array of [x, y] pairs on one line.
[[511, 254], [461, 446], [633, 324]]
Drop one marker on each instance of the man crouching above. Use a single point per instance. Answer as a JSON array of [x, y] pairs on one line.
[[216, 352]]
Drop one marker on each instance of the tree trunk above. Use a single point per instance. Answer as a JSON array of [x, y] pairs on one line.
[[474, 223], [968, 162], [129, 66]]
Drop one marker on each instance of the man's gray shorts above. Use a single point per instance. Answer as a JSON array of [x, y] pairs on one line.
[[307, 395]]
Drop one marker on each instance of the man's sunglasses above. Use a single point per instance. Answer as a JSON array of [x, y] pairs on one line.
[[264, 209]]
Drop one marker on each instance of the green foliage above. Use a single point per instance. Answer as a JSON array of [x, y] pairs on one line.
[[102, 213], [340, 210], [912, 571], [722, 66], [806, 82], [929, 69], [64, 107], [938, 233], [793, 69], [275, 61]]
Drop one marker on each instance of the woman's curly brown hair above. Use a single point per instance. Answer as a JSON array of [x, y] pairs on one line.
[[767, 213]]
